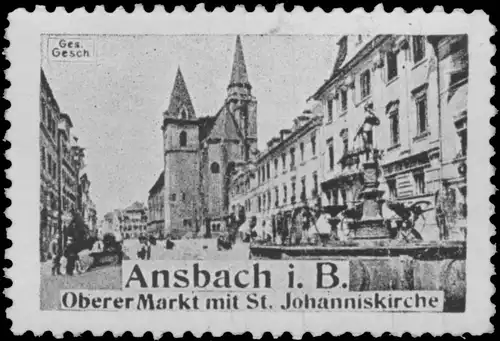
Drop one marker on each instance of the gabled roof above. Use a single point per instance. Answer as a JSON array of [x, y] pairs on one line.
[[136, 206], [180, 100], [206, 124], [239, 75], [225, 126], [159, 184]]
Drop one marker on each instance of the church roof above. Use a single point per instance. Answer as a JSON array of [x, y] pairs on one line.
[[180, 99], [225, 126], [239, 75], [206, 124], [159, 184]]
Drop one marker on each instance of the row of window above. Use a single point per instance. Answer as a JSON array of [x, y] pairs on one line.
[[264, 172], [48, 163], [264, 200], [48, 119], [418, 48], [420, 102], [134, 228], [173, 197]]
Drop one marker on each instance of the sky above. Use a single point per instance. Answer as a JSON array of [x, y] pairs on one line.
[[116, 101]]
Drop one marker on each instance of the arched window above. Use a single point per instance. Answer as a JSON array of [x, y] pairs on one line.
[[183, 139], [215, 168]]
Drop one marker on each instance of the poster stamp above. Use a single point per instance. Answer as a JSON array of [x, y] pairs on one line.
[[250, 172]]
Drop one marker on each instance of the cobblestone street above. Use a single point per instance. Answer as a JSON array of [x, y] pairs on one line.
[[109, 277]]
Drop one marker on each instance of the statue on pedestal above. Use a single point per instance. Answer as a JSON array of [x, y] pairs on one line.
[[366, 130]]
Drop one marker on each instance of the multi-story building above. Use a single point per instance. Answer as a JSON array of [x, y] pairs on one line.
[[68, 166], [420, 100], [156, 208], [416, 87], [61, 160], [133, 220], [453, 70], [49, 169], [284, 176]]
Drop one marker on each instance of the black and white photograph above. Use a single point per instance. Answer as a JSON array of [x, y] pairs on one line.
[[310, 173]]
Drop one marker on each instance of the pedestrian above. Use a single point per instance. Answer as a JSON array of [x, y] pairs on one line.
[[55, 255], [71, 255], [169, 244], [253, 233], [141, 253], [148, 249]]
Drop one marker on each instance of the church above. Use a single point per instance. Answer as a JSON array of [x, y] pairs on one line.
[[201, 153]]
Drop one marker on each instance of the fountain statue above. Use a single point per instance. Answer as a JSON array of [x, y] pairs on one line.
[[371, 224]]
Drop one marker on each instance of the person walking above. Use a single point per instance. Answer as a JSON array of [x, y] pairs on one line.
[[55, 255], [71, 255]]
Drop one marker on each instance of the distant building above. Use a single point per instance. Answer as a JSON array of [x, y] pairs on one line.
[[156, 207], [196, 197], [133, 220]]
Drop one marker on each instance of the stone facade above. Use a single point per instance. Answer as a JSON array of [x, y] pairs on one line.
[[196, 197]]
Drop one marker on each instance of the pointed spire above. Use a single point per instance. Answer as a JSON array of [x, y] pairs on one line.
[[239, 76], [180, 105]]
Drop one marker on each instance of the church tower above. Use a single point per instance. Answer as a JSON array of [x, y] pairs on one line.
[[240, 101], [181, 161]]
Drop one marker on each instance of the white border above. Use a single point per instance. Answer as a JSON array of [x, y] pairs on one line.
[[24, 55]]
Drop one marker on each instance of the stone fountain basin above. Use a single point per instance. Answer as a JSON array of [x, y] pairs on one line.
[[389, 266]]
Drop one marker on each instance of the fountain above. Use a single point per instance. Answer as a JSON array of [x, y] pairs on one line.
[[378, 260]]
